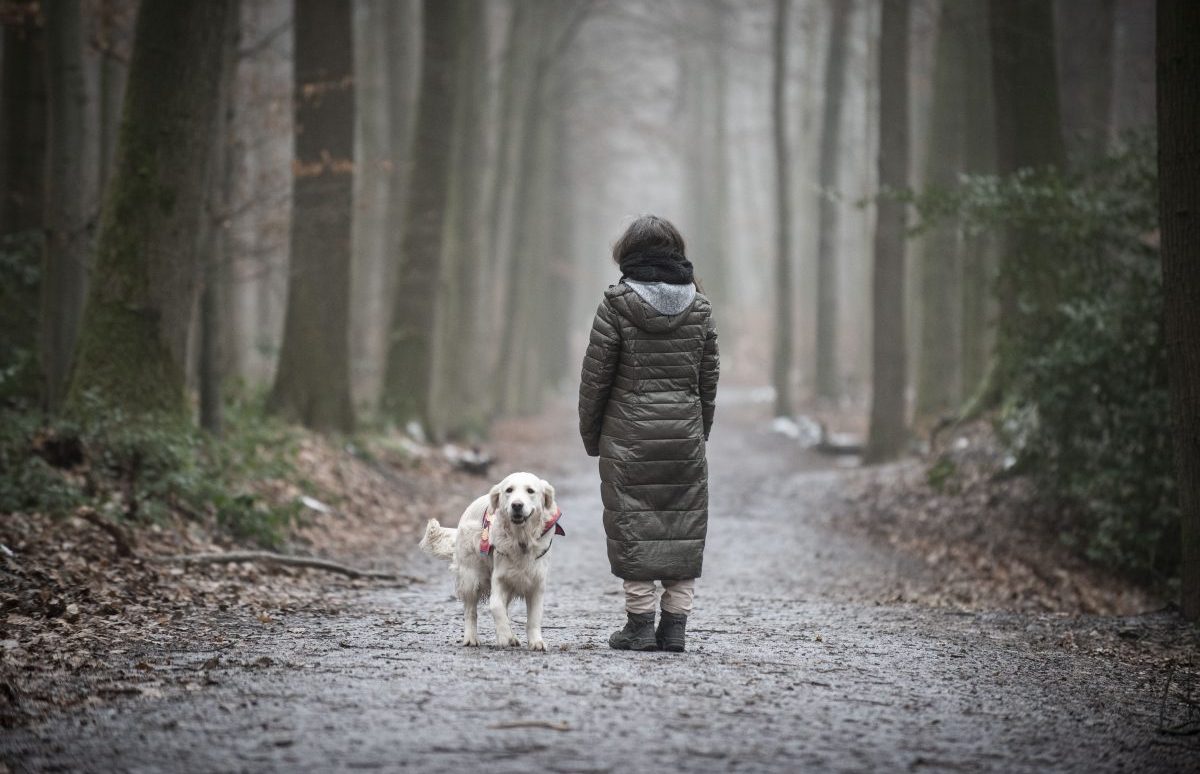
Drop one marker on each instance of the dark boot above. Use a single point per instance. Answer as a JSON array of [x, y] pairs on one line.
[[638, 633], [671, 632]]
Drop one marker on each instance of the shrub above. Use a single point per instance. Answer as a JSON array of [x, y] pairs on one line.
[[1086, 408], [144, 468]]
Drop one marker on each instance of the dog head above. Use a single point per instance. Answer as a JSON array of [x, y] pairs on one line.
[[521, 498]]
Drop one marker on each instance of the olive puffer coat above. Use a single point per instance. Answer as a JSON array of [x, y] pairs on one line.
[[646, 401]]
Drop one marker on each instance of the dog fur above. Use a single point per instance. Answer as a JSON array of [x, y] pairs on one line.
[[520, 505]]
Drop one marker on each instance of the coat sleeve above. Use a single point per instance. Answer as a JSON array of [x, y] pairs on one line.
[[710, 372], [599, 369]]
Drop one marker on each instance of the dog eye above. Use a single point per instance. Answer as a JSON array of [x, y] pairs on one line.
[[529, 490], [509, 490]]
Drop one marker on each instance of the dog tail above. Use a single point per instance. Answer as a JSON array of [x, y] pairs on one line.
[[439, 541]]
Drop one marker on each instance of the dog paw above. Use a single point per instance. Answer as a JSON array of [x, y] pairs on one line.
[[511, 642], [538, 645], [470, 642]]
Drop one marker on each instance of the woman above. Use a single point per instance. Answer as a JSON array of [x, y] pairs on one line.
[[646, 401]]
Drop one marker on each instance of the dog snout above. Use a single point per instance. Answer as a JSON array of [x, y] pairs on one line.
[[518, 506]]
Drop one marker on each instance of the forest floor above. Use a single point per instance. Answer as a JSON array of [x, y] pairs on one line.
[[848, 619]]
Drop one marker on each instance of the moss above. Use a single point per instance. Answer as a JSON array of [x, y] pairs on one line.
[[123, 363], [122, 358]]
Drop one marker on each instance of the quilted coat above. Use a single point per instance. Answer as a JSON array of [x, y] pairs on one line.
[[646, 401]]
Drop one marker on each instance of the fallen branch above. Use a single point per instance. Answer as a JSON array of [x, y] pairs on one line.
[[121, 539], [546, 724], [269, 557]]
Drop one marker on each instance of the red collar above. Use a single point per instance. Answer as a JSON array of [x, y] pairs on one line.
[[485, 542]]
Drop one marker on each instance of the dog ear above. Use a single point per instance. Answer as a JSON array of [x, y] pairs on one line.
[[547, 495], [495, 498]]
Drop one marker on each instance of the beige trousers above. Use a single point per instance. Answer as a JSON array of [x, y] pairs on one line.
[[677, 596]]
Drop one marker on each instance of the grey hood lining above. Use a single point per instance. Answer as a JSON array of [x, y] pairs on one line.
[[665, 298]]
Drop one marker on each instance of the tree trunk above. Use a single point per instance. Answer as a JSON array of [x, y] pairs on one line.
[[115, 32], [888, 431], [940, 269], [782, 359], [312, 384], [133, 341], [408, 378], [22, 126], [508, 119], [216, 253], [515, 319], [402, 56], [1133, 65], [703, 89], [979, 157], [1028, 136], [1085, 32], [64, 269], [457, 385], [371, 248], [826, 367], [1179, 212]]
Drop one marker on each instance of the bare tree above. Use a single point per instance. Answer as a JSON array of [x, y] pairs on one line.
[[64, 270], [939, 269], [1179, 214], [312, 384], [826, 367], [1085, 32], [133, 340], [22, 124], [979, 157], [1028, 136], [408, 378], [888, 431], [216, 252], [782, 360]]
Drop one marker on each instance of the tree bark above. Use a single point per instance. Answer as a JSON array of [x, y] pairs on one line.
[[979, 157], [703, 89], [115, 31], [826, 367], [312, 384], [888, 430], [1028, 136], [371, 248], [783, 354], [941, 260], [65, 264], [512, 365], [408, 379], [1133, 56], [1085, 31], [216, 253], [133, 341], [22, 126], [457, 384], [1179, 212]]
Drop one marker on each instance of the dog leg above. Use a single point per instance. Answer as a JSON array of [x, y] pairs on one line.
[[471, 622], [533, 620], [499, 605]]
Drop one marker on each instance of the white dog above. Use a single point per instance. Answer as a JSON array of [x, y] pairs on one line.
[[501, 549]]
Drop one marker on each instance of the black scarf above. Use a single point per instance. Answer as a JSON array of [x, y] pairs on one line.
[[657, 265]]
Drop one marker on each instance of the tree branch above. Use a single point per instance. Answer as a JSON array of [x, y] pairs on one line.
[[269, 557]]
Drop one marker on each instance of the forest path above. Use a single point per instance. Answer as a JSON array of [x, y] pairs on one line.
[[796, 661]]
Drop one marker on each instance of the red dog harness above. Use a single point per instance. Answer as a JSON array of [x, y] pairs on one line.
[[485, 541]]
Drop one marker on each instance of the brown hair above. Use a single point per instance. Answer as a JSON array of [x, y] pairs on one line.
[[648, 232]]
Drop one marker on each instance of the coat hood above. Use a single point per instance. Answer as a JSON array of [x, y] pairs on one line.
[[655, 307]]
